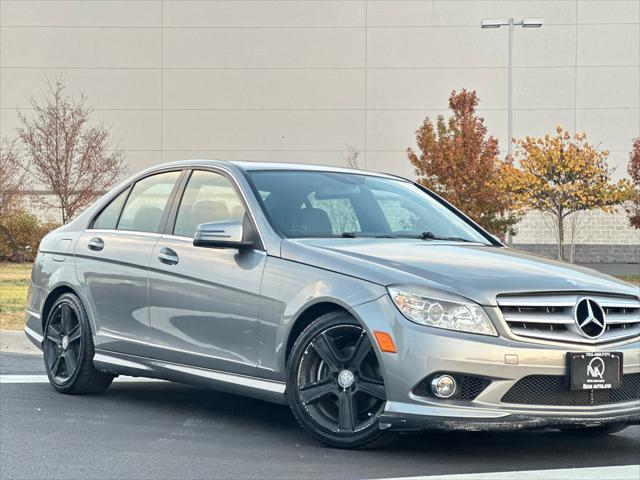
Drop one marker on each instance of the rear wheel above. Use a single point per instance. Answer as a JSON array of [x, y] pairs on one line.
[[596, 431], [334, 385], [68, 349]]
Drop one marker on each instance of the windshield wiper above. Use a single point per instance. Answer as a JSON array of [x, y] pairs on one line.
[[364, 235], [422, 236], [433, 236]]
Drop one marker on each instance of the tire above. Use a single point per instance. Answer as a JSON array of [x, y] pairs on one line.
[[596, 431], [339, 409], [68, 349]]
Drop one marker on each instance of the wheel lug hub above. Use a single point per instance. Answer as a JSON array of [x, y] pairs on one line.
[[346, 378], [65, 342]]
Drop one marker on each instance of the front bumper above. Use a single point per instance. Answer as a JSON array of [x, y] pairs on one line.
[[408, 423], [423, 351]]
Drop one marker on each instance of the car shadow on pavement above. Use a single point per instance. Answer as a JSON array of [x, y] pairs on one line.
[[531, 449], [167, 430]]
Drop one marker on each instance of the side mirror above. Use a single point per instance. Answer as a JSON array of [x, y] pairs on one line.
[[227, 234]]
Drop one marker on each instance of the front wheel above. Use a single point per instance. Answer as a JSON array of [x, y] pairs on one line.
[[68, 349], [334, 383]]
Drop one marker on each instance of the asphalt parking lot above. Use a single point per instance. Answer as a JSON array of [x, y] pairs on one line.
[[162, 430]]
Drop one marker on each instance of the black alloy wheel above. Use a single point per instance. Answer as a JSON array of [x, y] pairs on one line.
[[335, 386], [68, 349], [62, 344]]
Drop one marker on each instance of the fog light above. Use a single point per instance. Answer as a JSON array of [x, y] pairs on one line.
[[443, 386]]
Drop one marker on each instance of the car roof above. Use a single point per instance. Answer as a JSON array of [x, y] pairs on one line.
[[264, 166]]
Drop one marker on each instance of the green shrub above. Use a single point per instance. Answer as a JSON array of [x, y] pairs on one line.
[[20, 235]]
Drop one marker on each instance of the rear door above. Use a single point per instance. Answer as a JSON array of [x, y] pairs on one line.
[[112, 259], [204, 301]]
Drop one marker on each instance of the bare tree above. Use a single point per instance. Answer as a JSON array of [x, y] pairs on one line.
[[350, 156], [64, 153], [12, 177]]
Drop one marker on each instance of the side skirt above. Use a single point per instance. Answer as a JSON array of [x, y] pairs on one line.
[[123, 364], [34, 337]]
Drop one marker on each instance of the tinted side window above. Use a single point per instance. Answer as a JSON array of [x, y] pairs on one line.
[[146, 204], [209, 197], [108, 218]]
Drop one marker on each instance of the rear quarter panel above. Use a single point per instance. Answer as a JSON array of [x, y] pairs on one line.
[[53, 267]]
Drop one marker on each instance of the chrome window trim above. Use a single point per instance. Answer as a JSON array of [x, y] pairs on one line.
[[123, 232], [179, 238]]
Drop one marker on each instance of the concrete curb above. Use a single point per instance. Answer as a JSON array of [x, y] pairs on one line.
[[625, 472], [15, 341]]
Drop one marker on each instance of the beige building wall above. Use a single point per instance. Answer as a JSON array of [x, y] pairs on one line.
[[299, 80]]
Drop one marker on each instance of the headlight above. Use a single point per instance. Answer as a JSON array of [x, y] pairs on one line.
[[441, 310]]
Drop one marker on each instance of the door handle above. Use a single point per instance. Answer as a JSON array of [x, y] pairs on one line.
[[168, 256], [96, 244]]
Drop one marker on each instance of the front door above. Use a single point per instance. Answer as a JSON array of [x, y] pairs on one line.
[[204, 301]]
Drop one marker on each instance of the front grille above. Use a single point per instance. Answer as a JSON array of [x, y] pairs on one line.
[[550, 317], [554, 390], [469, 387]]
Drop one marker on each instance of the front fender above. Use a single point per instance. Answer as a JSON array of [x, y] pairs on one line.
[[289, 289]]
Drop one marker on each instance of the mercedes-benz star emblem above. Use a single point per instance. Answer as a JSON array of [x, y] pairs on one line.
[[346, 378], [590, 318]]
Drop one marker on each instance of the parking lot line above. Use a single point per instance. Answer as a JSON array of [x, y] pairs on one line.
[[626, 472], [44, 379]]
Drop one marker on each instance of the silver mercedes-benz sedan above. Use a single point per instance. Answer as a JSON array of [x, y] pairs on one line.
[[366, 302]]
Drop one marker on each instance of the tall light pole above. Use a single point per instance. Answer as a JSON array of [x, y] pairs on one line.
[[524, 23]]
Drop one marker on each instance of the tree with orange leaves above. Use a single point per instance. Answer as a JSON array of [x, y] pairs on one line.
[[457, 160], [562, 175], [633, 209]]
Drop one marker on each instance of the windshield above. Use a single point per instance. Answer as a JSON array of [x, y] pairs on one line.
[[325, 204]]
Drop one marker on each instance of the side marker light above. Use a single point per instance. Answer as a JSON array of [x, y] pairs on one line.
[[385, 342]]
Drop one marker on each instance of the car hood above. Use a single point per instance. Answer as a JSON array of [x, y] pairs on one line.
[[475, 271]]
